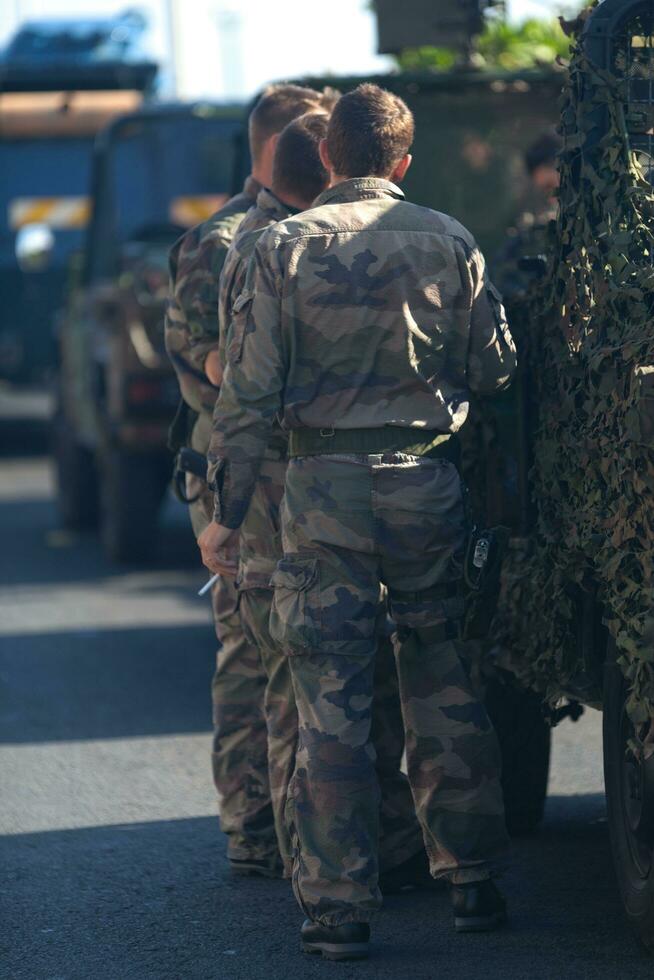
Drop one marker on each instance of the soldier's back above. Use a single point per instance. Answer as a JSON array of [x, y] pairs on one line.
[[376, 304]]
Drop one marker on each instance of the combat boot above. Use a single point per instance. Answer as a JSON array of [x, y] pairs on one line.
[[478, 906], [349, 941]]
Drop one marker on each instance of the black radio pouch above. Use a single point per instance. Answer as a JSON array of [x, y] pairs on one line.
[[483, 560], [179, 436]]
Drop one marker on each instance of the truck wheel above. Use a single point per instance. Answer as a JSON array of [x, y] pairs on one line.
[[76, 478], [131, 491], [630, 802], [525, 739]]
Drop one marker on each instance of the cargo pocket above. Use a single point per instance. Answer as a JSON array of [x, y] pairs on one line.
[[295, 613], [238, 326]]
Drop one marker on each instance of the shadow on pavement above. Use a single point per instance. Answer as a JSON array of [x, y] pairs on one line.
[[36, 550], [153, 901], [106, 684]]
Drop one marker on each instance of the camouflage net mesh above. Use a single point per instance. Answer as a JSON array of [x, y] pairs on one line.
[[591, 360]]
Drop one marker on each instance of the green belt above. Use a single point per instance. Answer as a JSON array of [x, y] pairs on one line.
[[389, 439]]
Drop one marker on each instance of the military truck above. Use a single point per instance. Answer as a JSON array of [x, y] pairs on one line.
[[568, 454], [60, 83], [155, 173]]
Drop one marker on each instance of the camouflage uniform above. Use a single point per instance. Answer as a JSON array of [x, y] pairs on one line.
[[240, 748], [366, 322], [260, 540], [528, 238], [260, 549]]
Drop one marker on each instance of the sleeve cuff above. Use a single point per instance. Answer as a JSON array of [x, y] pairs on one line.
[[231, 501]]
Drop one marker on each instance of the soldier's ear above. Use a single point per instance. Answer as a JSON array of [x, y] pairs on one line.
[[399, 173], [324, 155]]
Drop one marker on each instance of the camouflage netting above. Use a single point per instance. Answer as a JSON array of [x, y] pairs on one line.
[[592, 364]]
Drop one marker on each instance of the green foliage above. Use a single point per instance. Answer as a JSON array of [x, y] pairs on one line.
[[502, 46], [533, 43]]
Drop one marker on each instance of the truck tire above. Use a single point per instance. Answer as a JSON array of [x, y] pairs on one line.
[[131, 490], [525, 740], [630, 803], [76, 479]]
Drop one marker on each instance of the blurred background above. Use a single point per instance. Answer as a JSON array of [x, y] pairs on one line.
[[227, 49]]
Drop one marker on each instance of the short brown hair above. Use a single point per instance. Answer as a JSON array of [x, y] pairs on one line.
[[369, 133], [297, 168], [328, 98], [276, 108]]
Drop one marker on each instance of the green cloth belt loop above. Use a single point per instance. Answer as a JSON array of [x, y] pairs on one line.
[[389, 439]]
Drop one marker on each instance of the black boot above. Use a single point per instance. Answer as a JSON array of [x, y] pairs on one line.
[[347, 942], [478, 906], [407, 876]]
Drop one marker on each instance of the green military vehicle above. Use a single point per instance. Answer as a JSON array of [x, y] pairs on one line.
[[472, 130], [569, 462], [61, 82], [155, 173]]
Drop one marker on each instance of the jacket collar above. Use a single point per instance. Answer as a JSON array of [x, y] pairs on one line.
[[251, 187], [359, 189], [267, 201]]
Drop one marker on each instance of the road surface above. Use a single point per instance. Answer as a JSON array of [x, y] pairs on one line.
[[112, 860]]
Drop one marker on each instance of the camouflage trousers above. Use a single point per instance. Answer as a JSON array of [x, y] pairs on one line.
[[240, 741], [261, 547], [350, 525]]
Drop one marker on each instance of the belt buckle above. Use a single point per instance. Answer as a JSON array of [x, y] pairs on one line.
[[328, 433]]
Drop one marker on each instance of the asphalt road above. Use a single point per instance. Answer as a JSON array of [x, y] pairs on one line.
[[111, 860]]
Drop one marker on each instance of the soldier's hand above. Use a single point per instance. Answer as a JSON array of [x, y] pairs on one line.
[[213, 368], [219, 549]]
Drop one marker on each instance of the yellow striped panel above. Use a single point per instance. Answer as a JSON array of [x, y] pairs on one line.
[[188, 211], [56, 212]]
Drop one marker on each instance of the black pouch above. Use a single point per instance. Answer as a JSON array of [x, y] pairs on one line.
[[179, 435], [484, 555], [481, 572]]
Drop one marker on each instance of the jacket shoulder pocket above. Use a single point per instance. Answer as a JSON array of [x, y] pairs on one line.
[[238, 326]]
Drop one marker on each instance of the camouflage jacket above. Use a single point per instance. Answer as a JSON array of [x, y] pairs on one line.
[[364, 312], [191, 329], [529, 238], [267, 210]]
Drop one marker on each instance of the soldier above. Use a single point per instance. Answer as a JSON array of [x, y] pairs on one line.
[[298, 178], [366, 322], [239, 758], [528, 237]]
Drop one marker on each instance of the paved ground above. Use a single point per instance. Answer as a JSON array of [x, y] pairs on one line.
[[111, 859]]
